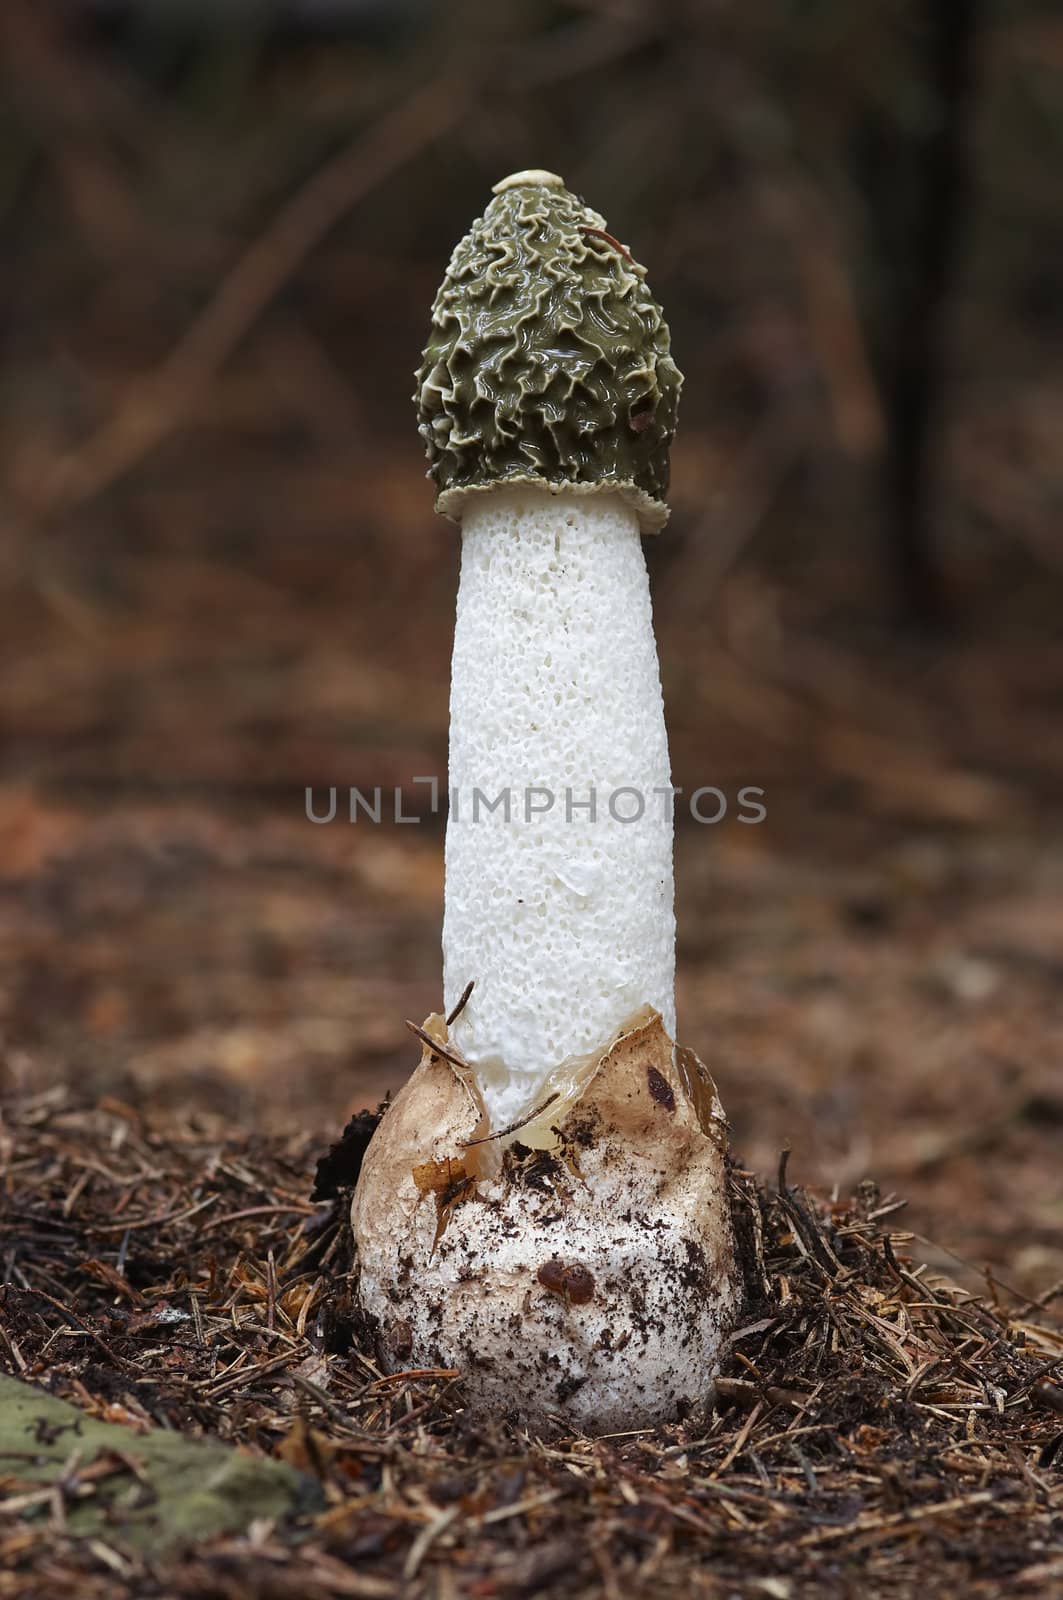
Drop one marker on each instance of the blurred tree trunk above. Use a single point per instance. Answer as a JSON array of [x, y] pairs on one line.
[[917, 186]]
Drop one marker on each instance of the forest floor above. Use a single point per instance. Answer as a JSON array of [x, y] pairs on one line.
[[201, 986], [877, 1430]]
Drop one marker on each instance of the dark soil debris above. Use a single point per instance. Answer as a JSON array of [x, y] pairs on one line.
[[877, 1429], [338, 1171], [661, 1089]]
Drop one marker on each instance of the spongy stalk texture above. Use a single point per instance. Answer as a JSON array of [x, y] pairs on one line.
[[562, 917]]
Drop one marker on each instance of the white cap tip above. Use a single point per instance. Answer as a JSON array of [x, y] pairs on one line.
[[516, 180]]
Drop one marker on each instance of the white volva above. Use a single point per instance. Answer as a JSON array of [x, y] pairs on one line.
[[563, 919]]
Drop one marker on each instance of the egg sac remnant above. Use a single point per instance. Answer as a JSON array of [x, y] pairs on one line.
[[583, 1288]]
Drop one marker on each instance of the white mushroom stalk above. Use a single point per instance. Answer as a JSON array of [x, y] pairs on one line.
[[559, 841], [544, 1206]]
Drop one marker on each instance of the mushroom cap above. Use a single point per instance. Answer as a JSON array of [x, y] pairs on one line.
[[588, 1286], [548, 361]]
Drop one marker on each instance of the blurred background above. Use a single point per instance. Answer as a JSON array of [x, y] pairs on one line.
[[221, 579]]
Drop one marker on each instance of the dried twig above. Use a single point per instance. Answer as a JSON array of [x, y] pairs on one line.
[[462, 1002], [514, 1127], [446, 1051]]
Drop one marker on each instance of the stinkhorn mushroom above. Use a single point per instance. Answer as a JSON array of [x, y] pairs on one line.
[[544, 1206]]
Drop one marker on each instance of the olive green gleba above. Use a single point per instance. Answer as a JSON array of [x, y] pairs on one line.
[[549, 360]]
